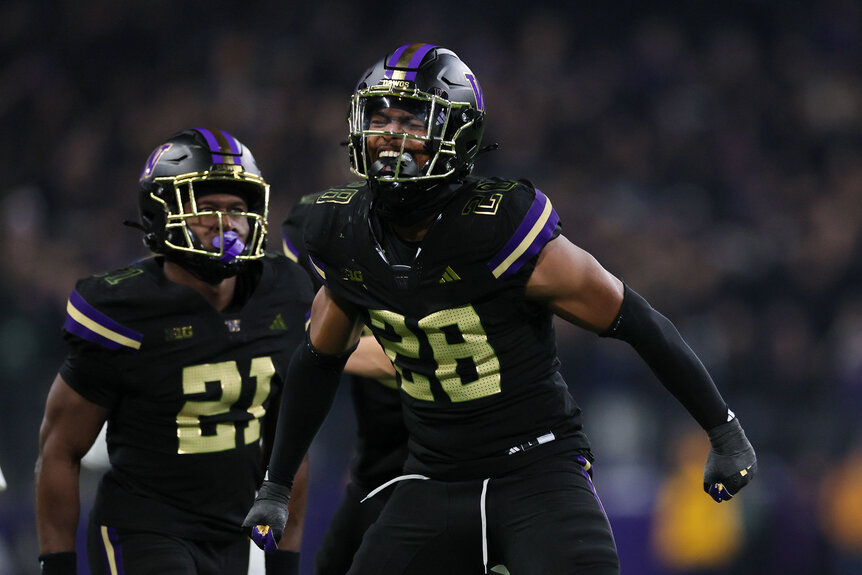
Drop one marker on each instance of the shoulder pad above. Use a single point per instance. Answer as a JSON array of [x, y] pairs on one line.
[[525, 217], [292, 229], [85, 320], [335, 209]]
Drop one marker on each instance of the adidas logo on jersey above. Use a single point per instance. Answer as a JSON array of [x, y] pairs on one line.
[[449, 276], [277, 324]]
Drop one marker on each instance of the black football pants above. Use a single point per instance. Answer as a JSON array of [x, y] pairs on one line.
[[349, 523], [542, 520], [113, 551]]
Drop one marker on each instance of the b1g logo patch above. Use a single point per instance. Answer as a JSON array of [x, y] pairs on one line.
[[153, 160]]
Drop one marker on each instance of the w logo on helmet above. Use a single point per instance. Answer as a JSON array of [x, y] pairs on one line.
[[153, 160], [477, 91]]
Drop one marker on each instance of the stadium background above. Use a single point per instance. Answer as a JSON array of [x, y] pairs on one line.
[[709, 154]]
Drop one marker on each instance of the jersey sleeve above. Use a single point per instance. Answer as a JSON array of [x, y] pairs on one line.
[[528, 221], [539, 225], [292, 231], [96, 343], [331, 214]]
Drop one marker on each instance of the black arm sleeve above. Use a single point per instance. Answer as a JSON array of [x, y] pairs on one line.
[[309, 390], [677, 367]]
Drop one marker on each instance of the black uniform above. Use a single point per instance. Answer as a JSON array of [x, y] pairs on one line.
[[381, 437], [489, 416], [188, 388]]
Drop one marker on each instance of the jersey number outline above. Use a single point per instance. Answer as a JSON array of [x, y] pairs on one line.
[[189, 420], [458, 344]]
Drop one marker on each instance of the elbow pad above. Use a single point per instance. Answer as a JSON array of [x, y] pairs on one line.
[[669, 357]]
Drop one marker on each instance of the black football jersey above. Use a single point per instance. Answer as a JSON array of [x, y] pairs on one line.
[[381, 437], [477, 362], [188, 388]]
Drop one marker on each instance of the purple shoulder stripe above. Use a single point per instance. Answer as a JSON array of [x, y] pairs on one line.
[[289, 249], [536, 229], [319, 269], [90, 324]]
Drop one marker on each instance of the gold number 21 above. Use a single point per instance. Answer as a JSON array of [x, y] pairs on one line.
[[189, 429]]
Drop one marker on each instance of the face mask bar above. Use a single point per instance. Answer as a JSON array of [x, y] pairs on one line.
[[179, 236], [440, 117]]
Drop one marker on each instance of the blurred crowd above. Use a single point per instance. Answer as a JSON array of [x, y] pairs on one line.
[[709, 154]]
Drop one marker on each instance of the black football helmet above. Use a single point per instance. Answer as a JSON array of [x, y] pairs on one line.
[[188, 165], [441, 92]]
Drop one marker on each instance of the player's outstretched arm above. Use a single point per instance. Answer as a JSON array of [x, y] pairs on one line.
[[577, 288], [70, 426], [369, 360], [309, 390]]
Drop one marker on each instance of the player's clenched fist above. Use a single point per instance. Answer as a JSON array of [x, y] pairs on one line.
[[268, 516], [731, 463]]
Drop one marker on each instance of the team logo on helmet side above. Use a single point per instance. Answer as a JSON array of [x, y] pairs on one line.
[[153, 160], [477, 92]]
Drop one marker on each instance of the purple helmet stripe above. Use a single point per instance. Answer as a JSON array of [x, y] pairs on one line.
[[407, 59], [225, 149], [537, 228], [420, 54], [233, 144], [215, 148], [393, 60]]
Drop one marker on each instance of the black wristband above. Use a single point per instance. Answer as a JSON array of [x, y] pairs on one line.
[[282, 563], [677, 367], [62, 563]]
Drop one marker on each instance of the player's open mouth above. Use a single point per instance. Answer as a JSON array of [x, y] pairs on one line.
[[388, 159]]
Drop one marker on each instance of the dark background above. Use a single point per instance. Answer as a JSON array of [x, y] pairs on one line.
[[708, 154]]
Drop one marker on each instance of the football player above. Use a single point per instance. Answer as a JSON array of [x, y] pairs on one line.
[[381, 437], [459, 277], [184, 355]]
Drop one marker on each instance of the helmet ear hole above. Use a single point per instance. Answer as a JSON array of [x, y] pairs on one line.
[[151, 242]]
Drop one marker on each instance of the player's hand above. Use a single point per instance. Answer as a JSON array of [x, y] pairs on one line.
[[731, 464], [268, 516]]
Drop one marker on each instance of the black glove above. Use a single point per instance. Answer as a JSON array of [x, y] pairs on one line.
[[62, 563], [268, 516], [731, 463]]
